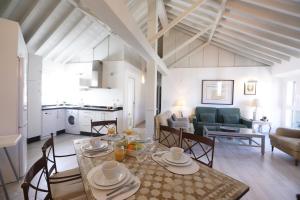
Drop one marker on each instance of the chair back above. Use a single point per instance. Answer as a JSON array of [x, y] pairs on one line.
[[49, 155], [170, 137], [99, 128], [32, 182], [201, 148]]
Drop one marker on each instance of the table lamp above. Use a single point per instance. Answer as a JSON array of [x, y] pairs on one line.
[[179, 104], [256, 104]]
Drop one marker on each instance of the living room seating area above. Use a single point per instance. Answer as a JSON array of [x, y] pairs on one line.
[[210, 116]]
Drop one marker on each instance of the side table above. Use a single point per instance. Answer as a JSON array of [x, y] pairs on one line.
[[260, 125]]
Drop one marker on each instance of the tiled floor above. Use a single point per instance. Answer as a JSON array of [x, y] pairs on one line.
[[272, 176]]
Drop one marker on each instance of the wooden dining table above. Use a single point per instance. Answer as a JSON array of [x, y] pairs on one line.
[[158, 183]]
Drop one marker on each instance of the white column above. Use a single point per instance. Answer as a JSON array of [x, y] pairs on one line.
[[151, 76]]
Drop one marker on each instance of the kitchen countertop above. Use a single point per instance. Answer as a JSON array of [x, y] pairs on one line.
[[85, 107]]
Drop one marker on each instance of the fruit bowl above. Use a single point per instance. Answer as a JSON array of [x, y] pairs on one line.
[[133, 148]]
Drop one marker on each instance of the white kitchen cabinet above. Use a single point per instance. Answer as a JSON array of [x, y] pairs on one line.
[[49, 119], [34, 109], [85, 117], [60, 120]]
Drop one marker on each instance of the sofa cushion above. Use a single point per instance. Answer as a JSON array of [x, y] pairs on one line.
[[204, 110], [227, 111], [235, 125], [208, 117], [231, 119], [163, 118], [174, 117]]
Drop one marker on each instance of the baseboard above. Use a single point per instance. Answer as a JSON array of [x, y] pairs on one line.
[[89, 134], [60, 131], [33, 139]]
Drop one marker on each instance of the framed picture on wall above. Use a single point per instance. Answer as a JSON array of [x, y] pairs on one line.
[[217, 92], [250, 88]]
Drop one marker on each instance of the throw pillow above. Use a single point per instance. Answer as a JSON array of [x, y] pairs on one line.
[[174, 117], [231, 119], [207, 117]]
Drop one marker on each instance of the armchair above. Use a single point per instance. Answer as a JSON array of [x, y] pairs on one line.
[[288, 141]]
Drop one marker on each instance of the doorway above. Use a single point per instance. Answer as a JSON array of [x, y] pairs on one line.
[[131, 102]]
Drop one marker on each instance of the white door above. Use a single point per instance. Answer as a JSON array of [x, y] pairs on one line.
[[130, 102]]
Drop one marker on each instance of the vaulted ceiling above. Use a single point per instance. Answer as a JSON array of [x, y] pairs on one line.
[[267, 31]]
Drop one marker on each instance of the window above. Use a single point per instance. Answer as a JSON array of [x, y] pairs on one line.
[[292, 112]]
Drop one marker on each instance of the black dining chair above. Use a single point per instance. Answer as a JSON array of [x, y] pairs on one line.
[[170, 137], [50, 156], [199, 147], [99, 128]]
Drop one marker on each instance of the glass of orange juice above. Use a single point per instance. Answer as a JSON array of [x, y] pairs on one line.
[[119, 152]]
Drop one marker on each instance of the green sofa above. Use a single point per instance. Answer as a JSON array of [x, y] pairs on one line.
[[210, 116]]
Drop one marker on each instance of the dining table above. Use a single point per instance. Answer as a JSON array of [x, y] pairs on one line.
[[159, 183]]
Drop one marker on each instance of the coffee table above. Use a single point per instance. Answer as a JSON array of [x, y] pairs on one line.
[[242, 133]]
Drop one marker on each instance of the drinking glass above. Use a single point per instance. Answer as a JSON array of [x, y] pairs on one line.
[[119, 152]]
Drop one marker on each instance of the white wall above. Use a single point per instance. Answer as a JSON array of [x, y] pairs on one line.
[[210, 56], [185, 84]]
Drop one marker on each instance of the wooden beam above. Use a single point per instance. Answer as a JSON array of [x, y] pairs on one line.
[[68, 38], [261, 25], [162, 14], [49, 18], [252, 46], [186, 43], [191, 52], [10, 8], [115, 14], [267, 15], [218, 18], [245, 29], [249, 51], [63, 27], [243, 54], [259, 42], [286, 7], [192, 23], [177, 20]]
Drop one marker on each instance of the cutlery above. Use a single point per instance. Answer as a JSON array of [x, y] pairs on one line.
[[121, 187], [124, 190]]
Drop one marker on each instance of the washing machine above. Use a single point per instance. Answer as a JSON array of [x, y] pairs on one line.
[[72, 121]]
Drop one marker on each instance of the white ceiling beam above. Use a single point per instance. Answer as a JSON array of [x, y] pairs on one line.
[[252, 46], [177, 20], [192, 23], [261, 25], [76, 44], [260, 13], [162, 14], [259, 42], [266, 62], [88, 46], [191, 52], [48, 18], [68, 38], [28, 12], [218, 18], [288, 7], [116, 15], [197, 17], [261, 35], [247, 50], [73, 15], [187, 42], [10, 8]]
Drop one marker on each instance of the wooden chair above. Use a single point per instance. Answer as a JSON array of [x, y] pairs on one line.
[[201, 148], [37, 169], [100, 127], [170, 137], [50, 157]]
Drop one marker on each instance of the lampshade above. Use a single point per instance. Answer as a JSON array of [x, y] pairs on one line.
[[256, 103], [180, 103]]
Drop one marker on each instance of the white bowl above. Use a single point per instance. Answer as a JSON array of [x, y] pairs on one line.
[[176, 152], [111, 169]]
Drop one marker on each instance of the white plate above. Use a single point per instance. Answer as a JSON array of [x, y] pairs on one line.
[[146, 140], [168, 156], [115, 137], [189, 162], [101, 180], [89, 147], [127, 179]]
